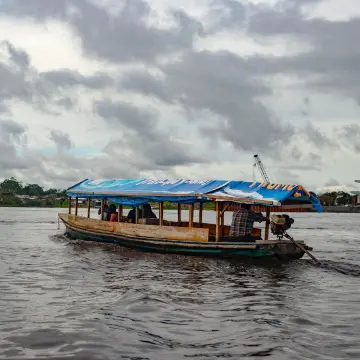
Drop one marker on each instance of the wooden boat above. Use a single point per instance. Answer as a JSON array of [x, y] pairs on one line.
[[188, 237]]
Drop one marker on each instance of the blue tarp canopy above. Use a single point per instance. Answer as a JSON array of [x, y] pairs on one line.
[[136, 192]]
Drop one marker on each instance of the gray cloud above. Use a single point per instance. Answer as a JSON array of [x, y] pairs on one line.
[[12, 134], [332, 62], [14, 81], [120, 114], [221, 83], [61, 140], [350, 136], [67, 78], [332, 182], [145, 83], [227, 87], [46, 90], [119, 37], [315, 158], [316, 137], [61, 168], [18, 56], [147, 145]]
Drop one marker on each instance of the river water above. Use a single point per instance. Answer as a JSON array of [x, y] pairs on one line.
[[63, 299]]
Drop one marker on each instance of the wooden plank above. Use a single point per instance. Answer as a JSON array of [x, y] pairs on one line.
[[191, 215], [162, 232], [96, 224], [92, 223], [140, 230], [212, 228], [137, 231], [179, 213], [76, 205]]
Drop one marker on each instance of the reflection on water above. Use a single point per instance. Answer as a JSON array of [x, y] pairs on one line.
[[81, 300]]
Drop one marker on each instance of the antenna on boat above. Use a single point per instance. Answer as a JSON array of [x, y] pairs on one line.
[[259, 164]]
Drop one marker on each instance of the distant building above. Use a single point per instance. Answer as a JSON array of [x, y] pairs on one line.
[[357, 193]]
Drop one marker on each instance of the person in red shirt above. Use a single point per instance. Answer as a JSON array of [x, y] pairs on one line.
[[112, 214]]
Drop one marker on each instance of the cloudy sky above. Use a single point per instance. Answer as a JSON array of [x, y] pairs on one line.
[[168, 89]]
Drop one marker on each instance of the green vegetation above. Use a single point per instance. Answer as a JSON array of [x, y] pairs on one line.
[[15, 194], [339, 198]]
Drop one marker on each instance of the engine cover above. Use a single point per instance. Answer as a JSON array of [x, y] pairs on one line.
[[280, 223]]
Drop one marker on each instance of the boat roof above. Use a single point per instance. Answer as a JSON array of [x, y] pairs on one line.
[[138, 191]]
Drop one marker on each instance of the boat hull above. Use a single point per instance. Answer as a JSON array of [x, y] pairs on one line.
[[272, 250]]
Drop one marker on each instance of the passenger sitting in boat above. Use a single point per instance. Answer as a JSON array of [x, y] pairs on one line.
[[105, 212], [132, 215], [112, 214], [243, 222], [147, 212]]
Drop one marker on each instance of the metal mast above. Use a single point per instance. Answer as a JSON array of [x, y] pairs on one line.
[[259, 164]]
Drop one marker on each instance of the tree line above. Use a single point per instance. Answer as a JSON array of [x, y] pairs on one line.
[[15, 193], [340, 198], [14, 187]]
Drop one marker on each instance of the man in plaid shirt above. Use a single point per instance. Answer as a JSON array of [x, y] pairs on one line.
[[243, 221]]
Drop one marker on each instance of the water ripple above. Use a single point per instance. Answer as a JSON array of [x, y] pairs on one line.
[[63, 299]]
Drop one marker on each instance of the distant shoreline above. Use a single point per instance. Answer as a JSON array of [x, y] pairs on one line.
[[342, 209], [326, 209]]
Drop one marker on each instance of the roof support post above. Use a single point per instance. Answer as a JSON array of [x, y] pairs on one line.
[[89, 207], [136, 214], [267, 225], [102, 209], [161, 213], [191, 216], [200, 214], [222, 218], [120, 212], [217, 209], [179, 213], [76, 206], [69, 199]]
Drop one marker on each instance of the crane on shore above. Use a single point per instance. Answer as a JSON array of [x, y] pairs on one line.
[[258, 163]]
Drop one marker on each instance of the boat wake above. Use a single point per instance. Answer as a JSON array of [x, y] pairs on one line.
[[337, 266], [12, 222]]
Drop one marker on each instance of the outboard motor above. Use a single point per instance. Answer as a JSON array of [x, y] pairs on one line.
[[280, 223]]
